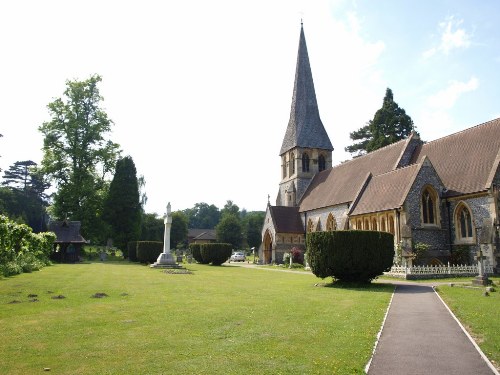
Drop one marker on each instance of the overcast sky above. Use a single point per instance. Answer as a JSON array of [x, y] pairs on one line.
[[200, 91]]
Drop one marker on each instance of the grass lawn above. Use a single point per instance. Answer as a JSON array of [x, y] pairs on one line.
[[478, 314], [217, 320]]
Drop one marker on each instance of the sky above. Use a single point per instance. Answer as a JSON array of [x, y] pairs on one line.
[[200, 91]]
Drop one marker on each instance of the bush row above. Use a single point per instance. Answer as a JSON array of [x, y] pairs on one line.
[[144, 251], [351, 255], [215, 253], [21, 250]]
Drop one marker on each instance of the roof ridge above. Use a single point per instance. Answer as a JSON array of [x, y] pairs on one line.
[[463, 130]]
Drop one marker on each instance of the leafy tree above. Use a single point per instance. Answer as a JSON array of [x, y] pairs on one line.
[[152, 227], [18, 175], [179, 230], [77, 156], [230, 209], [390, 124], [229, 231], [202, 216], [122, 208], [253, 223]]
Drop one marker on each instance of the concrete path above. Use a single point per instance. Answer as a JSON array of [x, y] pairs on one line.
[[420, 336]]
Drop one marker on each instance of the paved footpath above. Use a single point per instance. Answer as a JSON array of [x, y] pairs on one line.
[[420, 336]]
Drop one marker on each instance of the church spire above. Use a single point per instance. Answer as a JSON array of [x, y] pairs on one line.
[[305, 128]]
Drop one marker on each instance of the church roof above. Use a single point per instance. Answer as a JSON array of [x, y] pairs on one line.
[[465, 161], [286, 219], [342, 183], [305, 128]]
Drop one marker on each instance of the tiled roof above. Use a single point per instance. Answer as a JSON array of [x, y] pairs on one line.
[[466, 161], [386, 191], [196, 232], [342, 183], [66, 231], [286, 219], [305, 128], [209, 235]]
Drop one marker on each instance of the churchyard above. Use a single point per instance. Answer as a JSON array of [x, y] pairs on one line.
[[118, 317]]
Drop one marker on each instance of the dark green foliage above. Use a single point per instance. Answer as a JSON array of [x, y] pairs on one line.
[[460, 255], [229, 230], [390, 124], [132, 251], [148, 251], [179, 230], [122, 208], [253, 222], [215, 253], [353, 256], [196, 251], [202, 216], [152, 228]]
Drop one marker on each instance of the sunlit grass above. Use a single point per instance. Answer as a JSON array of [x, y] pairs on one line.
[[224, 320]]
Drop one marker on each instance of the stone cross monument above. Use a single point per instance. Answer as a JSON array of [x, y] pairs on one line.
[[165, 259]]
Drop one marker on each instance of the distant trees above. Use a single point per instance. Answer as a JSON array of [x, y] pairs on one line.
[[229, 230], [179, 230], [77, 154], [390, 124], [253, 223], [202, 216], [122, 209]]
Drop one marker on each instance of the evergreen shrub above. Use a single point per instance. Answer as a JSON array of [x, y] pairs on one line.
[[132, 251], [216, 253], [357, 256], [196, 252], [148, 251]]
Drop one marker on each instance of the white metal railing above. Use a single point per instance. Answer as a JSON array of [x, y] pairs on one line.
[[439, 270]]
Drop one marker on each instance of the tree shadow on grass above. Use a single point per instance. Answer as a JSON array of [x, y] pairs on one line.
[[358, 286]]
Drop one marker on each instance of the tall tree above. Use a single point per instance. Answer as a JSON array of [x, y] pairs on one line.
[[229, 230], [253, 223], [202, 216], [152, 227], [18, 175], [179, 230], [390, 124], [77, 155], [230, 209], [122, 207]]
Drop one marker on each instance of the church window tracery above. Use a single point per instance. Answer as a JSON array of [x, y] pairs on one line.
[[292, 163], [331, 223], [463, 222], [429, 206], [305, 162], [321, 163]]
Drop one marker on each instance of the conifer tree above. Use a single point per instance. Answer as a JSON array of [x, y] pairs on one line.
[[390, 124]]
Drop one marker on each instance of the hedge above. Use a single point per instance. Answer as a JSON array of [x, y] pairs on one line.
[[196, 251], [132, 251], [350, 255], [216, 253], [148, 251]]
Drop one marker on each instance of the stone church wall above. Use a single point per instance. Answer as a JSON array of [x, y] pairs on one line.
[[339, 212]]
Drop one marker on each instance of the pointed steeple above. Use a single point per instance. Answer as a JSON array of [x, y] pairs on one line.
[[305, 128]]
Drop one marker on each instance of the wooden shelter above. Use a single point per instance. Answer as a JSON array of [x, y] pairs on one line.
[[69, 241]]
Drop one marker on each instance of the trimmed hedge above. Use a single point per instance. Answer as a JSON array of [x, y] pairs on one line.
[[148, 251], [196, 251], [216, 253], [351, 255], [132, 251]]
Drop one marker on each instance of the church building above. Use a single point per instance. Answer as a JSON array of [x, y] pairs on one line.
[[444, 193]]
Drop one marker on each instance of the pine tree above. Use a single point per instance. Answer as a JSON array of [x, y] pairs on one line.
[[390, 124], [122, 208]]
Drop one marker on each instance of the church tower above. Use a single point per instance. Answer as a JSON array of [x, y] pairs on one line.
[[306, 148]]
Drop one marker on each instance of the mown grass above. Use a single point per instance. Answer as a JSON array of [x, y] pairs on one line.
[[479, 314], [217, 320]]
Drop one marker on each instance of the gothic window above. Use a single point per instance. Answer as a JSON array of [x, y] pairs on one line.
[[366, 224], [374, 223], [292, 164], [284, 166], [359, 225], [310, 226], [391, 225], [429, 205], [321, 163], [463, 222], [331, 224], [319, 227], [382, 225], [305, 162]]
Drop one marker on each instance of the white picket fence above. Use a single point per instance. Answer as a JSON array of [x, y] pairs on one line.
[[455, 270]]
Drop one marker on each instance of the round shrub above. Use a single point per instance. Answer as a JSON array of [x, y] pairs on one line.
[[358, 256], [216, 253]]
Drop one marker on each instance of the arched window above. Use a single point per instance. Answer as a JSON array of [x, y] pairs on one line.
[[383, 227], [292, 163], [374, 223], [305, 162], [359, 224], [463, 223], [429, 206], [331, 223], [321, 163], [310, 226], [366, 225], [319, 227], [391, 225], [283, 161]]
